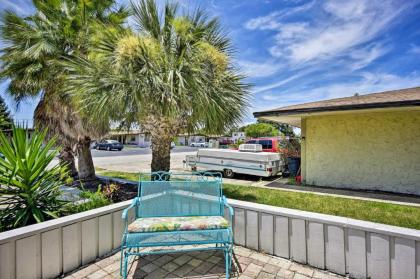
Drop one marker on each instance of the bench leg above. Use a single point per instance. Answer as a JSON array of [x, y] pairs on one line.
[[124, 264], [121, 261], [228, 261]]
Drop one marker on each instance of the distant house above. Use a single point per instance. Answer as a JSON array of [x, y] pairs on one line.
[[134, 137], [238, 136], [142, 139], [367, 142], [187, 139], [196, 138]]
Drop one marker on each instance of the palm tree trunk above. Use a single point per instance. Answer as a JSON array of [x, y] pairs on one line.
[[66, 158], [84, 160], [162, 130], [161, 153]]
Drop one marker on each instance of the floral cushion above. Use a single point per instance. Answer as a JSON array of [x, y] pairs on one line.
[[161, 224]]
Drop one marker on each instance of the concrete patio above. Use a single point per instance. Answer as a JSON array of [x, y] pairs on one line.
[[208, 264]]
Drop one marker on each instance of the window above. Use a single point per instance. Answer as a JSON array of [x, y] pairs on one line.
[[251, 141], [266, 144]]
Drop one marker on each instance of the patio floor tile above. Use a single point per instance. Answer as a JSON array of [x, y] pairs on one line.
[[247, 264]]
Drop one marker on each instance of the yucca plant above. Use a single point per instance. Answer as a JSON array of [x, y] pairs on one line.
[[29, 188]]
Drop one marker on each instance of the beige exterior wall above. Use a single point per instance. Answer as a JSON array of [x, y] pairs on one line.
[[377, 150]]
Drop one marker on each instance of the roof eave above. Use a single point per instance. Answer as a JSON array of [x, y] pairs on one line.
[[338, 108]]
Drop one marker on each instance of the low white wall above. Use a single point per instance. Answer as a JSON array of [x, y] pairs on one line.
[[51, 248], [341, 245]]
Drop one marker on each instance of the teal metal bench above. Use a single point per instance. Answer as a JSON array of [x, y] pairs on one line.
[[178, 209]]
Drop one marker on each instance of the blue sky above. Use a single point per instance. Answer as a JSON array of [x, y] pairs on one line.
[[296, 51]]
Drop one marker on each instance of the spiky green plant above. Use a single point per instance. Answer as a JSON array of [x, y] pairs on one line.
[[29, 188], [173, 73]]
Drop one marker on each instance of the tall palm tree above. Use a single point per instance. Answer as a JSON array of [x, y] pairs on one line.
[[172, 73], [34, 48]]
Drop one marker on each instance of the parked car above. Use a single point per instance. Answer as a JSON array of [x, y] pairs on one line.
[[225, 141], [199, 144], [268, 144], [93, 144], [109, 145]]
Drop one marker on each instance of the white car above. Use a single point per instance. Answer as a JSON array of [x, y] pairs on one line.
[[199, 144]]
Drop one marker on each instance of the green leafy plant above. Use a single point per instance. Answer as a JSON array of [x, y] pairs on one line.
[[257, 130], [5, 117], [89, 200], [113, 192], [29, 189]]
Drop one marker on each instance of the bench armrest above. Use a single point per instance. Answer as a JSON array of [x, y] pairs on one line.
[[125, 212], [230, 209]]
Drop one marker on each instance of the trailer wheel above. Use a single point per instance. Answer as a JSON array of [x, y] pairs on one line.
[[228, 173]]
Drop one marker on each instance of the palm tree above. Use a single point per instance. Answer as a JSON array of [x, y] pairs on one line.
[[34, 46], [6, 120], [172, 74]]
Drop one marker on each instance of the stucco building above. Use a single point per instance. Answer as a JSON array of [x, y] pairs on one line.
[[361, 142]]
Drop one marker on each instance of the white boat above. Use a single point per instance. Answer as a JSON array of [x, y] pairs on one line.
[[249, 159]]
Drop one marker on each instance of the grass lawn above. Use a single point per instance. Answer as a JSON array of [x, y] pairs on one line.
[[118, 174], [380, 212]]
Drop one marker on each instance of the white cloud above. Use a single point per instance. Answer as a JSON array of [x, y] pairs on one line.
[[292, 31], [268, 22], [368, 82], [270, 97], [415, 49], [339, 27], [259, 70], [271, 21], [364, 56], [22, 7], [279, 83], [346, 10]]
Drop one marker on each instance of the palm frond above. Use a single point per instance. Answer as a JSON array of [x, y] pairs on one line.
[[175, 67]]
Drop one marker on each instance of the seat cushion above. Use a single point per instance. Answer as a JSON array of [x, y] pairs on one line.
[[164, 224]]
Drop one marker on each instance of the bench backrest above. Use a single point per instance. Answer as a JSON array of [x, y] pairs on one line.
[[191, 197]]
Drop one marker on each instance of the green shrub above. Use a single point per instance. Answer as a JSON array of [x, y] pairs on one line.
[[29, 190], [90, 200]]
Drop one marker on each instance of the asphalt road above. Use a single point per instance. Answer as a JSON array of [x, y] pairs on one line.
[[134, 159], [128, 151]]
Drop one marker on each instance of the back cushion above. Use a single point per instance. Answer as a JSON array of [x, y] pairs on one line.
[[180, 198]]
